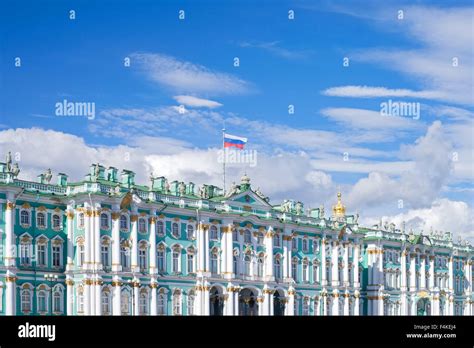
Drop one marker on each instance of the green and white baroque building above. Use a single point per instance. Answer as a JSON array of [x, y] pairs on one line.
[[111, 247]]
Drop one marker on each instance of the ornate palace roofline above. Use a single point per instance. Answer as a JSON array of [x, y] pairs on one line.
[[106, 182]]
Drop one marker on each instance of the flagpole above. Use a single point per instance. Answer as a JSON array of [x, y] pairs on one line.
[[223, 152]]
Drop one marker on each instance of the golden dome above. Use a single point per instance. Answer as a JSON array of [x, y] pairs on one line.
[[339, 209]]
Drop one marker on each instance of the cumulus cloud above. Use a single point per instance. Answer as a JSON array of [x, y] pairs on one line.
[[442, 215], [187, 77]]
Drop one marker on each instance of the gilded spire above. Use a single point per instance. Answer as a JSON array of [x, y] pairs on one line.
[[339, 210]]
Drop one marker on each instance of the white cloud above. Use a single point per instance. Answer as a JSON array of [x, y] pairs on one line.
[[196, 102], [186, 77], [274, 48], [420, 184], [380, 92], [442, 215], [369, 120]]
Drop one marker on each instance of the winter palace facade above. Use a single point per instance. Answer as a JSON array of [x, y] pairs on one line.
[[108, 246]]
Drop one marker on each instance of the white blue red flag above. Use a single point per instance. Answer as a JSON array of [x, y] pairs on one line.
[[234, 141]]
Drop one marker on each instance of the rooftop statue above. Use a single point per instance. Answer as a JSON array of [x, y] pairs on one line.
[[15, 170], [182, 188], [9, 161], [234, 189], [48, 176]]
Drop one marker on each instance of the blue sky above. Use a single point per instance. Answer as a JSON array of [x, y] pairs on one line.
[[282, 62]]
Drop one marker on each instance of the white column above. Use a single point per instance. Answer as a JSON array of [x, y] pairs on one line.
[[323, 262], [227, 250], [69, 296], [206, 296], [431, 282], [451, 274], [450, 305], [346, 303], [412, 272], [152, 251], [10, 294], [230, 251], [355, 262], [345, 270], [92, 296], [335, 302], [285, 257], [268, 242], [136, 297], [153, 302], [9, 233], [199, 298], [229, 302], [423, 272], [98, 296], [87, 296], [403, 282], [134, 237], [236, 300], [70, 238], [335, 264], [356, 304], [290, 308], [87, 239], [116, 267], [325, 299], [412, 305], [97, 260], [266, 301], [117, 296], [435, 304]]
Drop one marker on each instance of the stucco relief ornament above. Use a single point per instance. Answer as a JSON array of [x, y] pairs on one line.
[[48, 176]]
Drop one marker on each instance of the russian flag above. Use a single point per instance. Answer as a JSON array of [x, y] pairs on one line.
[[234, 141]]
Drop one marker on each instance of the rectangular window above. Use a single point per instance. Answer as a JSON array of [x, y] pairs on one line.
[[41, 251], [105, 255], [142, 259], [190, 263]]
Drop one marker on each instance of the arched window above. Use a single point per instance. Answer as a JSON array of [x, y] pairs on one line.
[[190, 262], [260, 266], [315, 272], [161, 304], [214, 233], [56, 222], [125, 257], [190, 232], [235, 235], [40, 220], [260, 238], [105, 302], [176, 260], [247, 262], [177, 302], [276, 240], [123, 223], [105, 254], [305, 270], [305, 306], [125, 302], [143, 257], [25, 217], [143, 303], [42, 301], [104, 221], [190, 303], [161, 254], [214, 261], [142, 225], [175, 230], [277, 267], [57, 301], [294, 269], [160, 228], [235, 262], [247, 237], [305, 245], [26, 301]]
